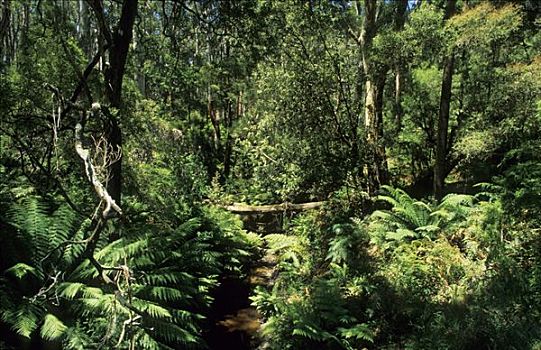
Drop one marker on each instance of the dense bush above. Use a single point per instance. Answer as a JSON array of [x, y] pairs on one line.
[[457, 275], [159, 279]]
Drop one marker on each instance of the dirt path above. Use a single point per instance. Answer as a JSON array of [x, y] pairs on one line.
[[236, 324]]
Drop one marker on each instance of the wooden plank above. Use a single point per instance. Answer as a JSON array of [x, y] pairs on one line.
[[272, 208]]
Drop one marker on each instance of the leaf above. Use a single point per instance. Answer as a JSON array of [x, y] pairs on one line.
[[24, 319], [162, 293], [75, 339], [360, 332], [21, 269], [400, 234], [152, 309], [70, 290], [52, 328], [427, 228]]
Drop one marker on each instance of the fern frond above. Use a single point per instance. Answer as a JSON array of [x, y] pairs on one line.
[[392, 219], [151, 308], [187, 319], [75, 339], [28, 214], [104, 304], [84, 271], [21, 269], [189, 227], [148, 343], [165, 277], [30, 217], [360, 332], [52, 328], [61, 224], [69, 290], [310, 331], [278, 241], [24, 319], [171, 333], [339, 249], [454, 200], [159, 293], [111, 251], [428, 228], [393, 202], [73, 251], [400, 234]]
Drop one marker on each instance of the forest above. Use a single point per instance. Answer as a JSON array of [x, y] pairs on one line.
[[270, 174]]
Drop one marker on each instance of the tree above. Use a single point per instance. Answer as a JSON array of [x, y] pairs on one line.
[[374, 76], [375, 69], [399, 68], [117, 42], [440, 163]]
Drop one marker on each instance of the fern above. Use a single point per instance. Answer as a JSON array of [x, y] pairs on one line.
[[24, 318], [339, 248], [360, 331], [411, 219], [70, 290], [76, 339], [21, 269], [165, 277], [31, 220], [52, 328], [152, 309], [160, 293]]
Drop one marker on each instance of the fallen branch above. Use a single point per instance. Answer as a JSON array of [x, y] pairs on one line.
[[272, 208]]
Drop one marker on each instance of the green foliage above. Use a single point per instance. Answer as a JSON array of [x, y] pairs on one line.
[[160, 279], [484, 24], [313, 305], [411, 219], [264, 101], [408, 275], [52, 328], [287, 247], [316, 314]]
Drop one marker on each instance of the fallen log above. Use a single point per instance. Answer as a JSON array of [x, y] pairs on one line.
[[272, 208]]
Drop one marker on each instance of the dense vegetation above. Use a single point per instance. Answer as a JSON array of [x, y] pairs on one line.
[[128, 125]]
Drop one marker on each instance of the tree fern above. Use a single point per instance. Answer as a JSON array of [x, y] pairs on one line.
[[75, 338], [410, 219], [454, 207], [20, 270], [31, 220]]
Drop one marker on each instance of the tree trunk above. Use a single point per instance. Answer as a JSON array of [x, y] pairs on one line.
[[443, 117], [139, 74], [400, 19], [84, 28], [376, 161], [381, 158], [228, 147], [5, 16], [212, 113], [119, 41]]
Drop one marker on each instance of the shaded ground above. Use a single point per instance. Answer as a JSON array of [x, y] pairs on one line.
[[235, 324], [230, 298]]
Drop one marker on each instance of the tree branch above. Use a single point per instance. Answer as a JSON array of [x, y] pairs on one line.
[[101, 191]]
